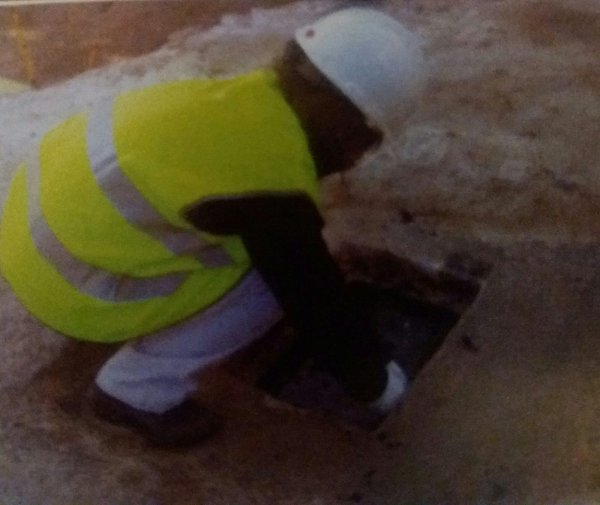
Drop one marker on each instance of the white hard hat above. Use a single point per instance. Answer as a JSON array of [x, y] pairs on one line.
[[370, 57]]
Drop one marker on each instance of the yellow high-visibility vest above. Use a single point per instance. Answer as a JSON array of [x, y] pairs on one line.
[[93, 240]]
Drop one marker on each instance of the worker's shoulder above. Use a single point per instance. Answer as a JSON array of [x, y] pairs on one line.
[[240, 101], [207, 88]]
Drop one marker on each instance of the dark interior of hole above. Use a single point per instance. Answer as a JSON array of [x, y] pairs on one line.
[[413, 309], [414, 329]]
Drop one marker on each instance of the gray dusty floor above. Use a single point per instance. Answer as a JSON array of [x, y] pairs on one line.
[[45, 44], [508, 419], [513, 420]]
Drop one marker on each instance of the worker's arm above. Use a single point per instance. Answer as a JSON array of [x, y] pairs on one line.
[[282, 234]]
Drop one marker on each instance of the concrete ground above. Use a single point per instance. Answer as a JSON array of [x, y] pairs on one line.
[[508, 419], [506, 411], [44, 45]]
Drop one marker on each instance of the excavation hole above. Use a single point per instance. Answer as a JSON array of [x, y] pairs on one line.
[[413, 305]]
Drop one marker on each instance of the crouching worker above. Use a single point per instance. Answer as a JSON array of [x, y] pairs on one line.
[[183, 218]]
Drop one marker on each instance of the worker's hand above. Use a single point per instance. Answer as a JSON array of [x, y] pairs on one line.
[[373, 379], [395, 390]]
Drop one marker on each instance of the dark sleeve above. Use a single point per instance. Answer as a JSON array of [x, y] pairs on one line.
[[282, 234]]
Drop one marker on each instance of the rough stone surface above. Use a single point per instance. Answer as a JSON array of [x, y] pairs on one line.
[[503, 145], [498, 162]]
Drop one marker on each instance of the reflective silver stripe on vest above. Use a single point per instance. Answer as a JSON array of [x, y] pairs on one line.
[[86, 278], [132, 204]]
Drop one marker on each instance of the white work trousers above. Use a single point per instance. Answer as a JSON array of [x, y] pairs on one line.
[[157, 372]]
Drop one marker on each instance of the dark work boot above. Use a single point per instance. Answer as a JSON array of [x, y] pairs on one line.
[[186, 424]]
